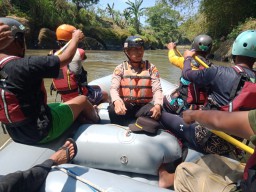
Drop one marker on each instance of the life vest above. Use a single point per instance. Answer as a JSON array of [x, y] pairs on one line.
[[189, 95], [243, 93], [68, 84], [11, 110], [136, 88], [248, 183]]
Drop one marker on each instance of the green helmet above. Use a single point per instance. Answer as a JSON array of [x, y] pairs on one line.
[[133, 41], [245, 44], [202, 43]]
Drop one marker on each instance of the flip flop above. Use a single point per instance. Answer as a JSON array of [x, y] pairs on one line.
[[67, 150]]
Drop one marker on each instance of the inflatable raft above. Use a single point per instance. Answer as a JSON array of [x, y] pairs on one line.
[[110, 158]]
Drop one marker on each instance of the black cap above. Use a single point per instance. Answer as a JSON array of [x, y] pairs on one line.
[[146, 124]]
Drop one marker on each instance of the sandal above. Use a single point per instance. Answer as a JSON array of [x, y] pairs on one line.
[[67, 150]]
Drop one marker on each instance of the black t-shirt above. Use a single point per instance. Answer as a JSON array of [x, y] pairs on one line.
[[25, 77]]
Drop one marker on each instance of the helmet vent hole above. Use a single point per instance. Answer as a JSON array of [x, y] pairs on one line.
[[245, 44]]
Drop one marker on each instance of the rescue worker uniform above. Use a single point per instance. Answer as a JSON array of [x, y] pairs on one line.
[[139, 88]]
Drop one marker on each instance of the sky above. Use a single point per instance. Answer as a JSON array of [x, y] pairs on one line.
[[121, 5]]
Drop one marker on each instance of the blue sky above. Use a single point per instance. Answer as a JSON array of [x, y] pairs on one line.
[[121, 5]]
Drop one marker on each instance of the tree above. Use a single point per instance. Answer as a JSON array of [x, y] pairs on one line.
[[164, 21], [136, 11], [84, 3], [223, 16]]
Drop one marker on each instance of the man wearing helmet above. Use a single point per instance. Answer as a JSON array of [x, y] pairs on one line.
[[23, 109], [220, 82], [187, 95], [72, 79], [134, 85]]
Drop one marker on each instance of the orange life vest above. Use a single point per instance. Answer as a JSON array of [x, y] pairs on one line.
[[67, 84], [136, 87]]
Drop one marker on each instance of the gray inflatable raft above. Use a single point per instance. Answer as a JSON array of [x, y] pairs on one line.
[[130, 162]]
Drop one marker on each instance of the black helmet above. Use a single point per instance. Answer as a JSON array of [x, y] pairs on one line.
[[133, 41], [18, 30], [202, 43], [15, 26]]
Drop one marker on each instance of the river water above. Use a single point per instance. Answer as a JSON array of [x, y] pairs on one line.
[[102, 63]]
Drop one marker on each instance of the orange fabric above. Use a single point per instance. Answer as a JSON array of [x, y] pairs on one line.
[[136, 88]]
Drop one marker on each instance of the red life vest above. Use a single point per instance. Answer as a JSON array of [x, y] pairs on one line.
[[136, 88], [10, 107], [244, 99], [67, 84]]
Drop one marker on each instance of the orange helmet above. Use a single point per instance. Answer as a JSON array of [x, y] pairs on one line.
[[64, 32]]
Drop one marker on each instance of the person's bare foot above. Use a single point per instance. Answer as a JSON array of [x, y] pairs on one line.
[[166, 179], [61, 156]]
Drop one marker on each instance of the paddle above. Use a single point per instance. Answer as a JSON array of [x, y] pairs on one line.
[[62, 49], [72, 174], [222, 135]]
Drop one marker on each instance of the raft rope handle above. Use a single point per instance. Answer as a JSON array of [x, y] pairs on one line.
[[72, 174], [221, 134]]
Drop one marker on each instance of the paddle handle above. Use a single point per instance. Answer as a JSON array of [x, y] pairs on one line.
[[233, 141], [59, 52]]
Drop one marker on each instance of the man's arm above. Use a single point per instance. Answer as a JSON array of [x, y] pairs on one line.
[[235, 123], [67, 56]]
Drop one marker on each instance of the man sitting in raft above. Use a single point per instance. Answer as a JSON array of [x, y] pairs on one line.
[[188, 95], [72, 79], [24, 111], [134, 85]]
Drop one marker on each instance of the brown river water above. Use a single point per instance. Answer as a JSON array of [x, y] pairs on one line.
[[102, 63]]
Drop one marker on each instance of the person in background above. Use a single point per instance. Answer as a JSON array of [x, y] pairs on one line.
[[134, 85], [188, 95], [32, 179], [24, 111], [72, 79]]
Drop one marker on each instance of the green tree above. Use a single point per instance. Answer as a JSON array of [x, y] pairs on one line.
[[84, 3], [164, 22], [223, 16], [136, 11]]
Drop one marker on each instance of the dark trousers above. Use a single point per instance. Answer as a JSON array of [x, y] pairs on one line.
[[133, 111], [29, 180], [177, 126]]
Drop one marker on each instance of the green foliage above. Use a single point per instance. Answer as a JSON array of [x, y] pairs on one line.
[[164, 22], [223, 16], [84, 3], [135, 11], [250, 23]]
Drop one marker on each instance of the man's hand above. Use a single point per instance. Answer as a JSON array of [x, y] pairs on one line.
[[156, 112], [189, 53], [120, 108], [5, 36], [188, 116], [78, 35], [171, 45]]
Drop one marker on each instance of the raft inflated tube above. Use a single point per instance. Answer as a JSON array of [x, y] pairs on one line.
[[111, 147], [58, 181]]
